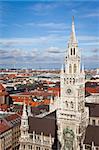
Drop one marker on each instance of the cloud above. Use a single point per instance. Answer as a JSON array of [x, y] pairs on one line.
[[94, 14], [42, 7], [50, 25], [95, 50], [18, 54], [30, 41], [54, 50]]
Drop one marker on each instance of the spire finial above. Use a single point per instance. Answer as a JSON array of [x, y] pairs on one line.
[[72, 19], [73, 35], [29, 110]]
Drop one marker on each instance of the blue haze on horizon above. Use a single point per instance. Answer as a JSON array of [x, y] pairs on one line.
[[35, 34]]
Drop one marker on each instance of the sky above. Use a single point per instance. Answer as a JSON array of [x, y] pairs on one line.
[[34, 34]]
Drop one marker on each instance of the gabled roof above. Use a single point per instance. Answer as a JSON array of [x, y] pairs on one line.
[[92, 135], [93, 109], [13, 119], [47, 125]]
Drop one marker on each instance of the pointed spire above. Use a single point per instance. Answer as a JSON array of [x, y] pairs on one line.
[[93, 147], [24, 114], [73, 35], [29, 110]]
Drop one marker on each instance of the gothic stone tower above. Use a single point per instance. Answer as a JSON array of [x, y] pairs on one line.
[[24, 138], [71, 113]]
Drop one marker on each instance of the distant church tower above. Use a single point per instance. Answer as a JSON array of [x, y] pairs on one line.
[[72, 116], [24, 138]]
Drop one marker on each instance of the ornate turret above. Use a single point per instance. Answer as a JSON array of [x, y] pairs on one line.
[[29, 110], [24, 128], [24, 123]]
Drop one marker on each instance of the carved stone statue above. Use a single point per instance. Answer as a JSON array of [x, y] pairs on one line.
[[68, 136]]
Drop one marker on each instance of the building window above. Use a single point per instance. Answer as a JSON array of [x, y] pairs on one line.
[[70, 80], [73, 80], [93, 122], [74, 51], [37, 148], [70, 68], [30, 146], [71, 51], [24, 146], [71, 105], [66, 104], [75, 68]]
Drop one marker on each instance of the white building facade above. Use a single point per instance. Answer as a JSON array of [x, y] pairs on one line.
[[72, 116]]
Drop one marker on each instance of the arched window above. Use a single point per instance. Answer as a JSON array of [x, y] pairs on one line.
[[71, 105], [66, 104], [70, 68], [70, 80], [73, 80], [67, 80], [74, 51], [71, 51], [75, 68]]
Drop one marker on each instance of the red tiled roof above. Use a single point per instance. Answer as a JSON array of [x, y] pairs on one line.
[[27, 95], [3, 126], [4, 107], [92, 89], [44, 102], [54, 89], [12, 117], [2, 88], [4, 93]]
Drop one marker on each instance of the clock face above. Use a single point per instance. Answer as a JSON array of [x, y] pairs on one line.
[[69, 90]]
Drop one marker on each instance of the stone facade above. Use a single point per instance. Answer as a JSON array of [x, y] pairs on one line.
[[72, 115]]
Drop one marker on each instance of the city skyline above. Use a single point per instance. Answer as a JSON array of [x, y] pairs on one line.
[[35, 34]]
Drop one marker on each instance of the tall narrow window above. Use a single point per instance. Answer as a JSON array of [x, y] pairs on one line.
[[70, 68], [24, 146], [75, 68], [71, 104], [93, 122], [66, 104], [70, 80], [73, 80], [71, 51], [74, 51]]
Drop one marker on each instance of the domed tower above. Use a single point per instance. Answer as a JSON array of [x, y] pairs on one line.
[[72, 115]]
